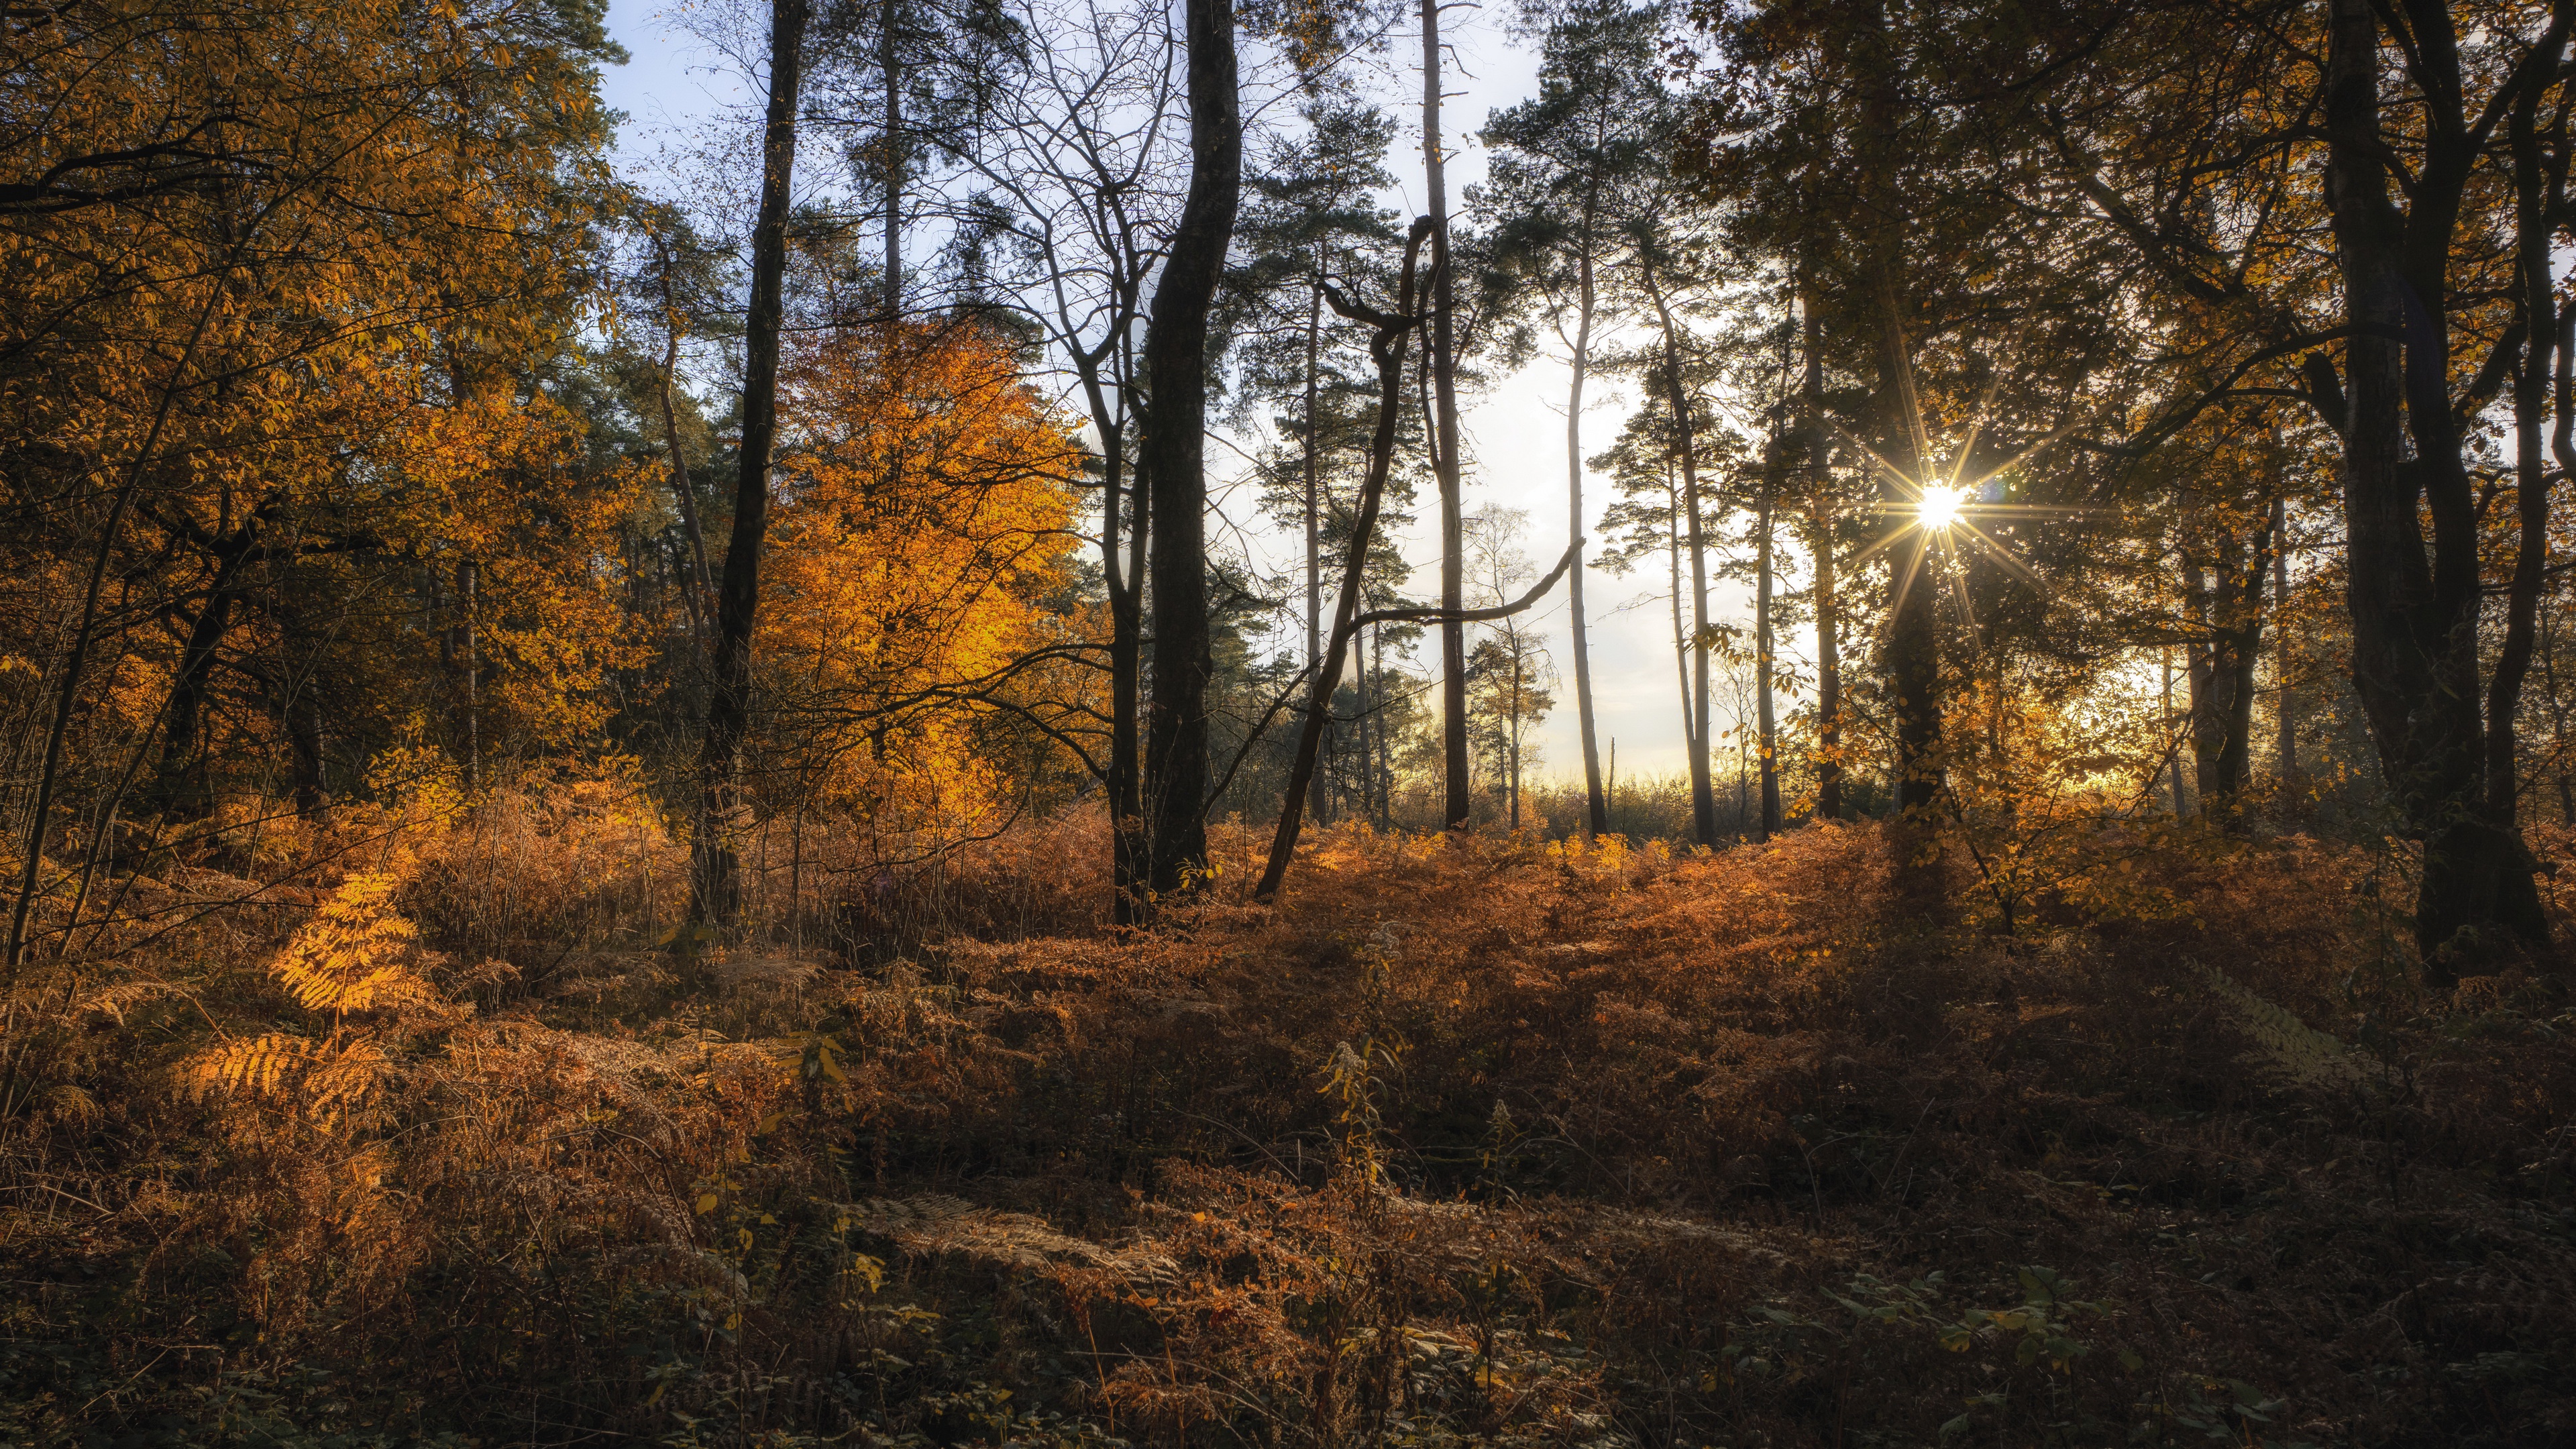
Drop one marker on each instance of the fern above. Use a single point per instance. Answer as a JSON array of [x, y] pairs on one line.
[[2295, 1051], [357, 953], [325, 1082], [260, 1066]]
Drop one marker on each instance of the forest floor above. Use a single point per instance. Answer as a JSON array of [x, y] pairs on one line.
[[1495, 1143]]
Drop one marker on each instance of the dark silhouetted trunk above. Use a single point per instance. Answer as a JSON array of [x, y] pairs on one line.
[[715, 876], [1686, 442], [2415, 609], [890, 74], [1386, 348], [2286, 750], [1176, 726], [1913, 649], [1820, 546], [1456, 799], [1775, 458], [1315, 519]]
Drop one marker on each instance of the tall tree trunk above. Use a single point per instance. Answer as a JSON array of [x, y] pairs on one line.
[[1512, 739], [1820, 545], [1131, 834], [715, 868], [1176, 730], [1913, 630], [1314, 519], [1457, 799], [1768, 742], [1691, 747], [2415, 611], [1703, 797], [1596, 804], [890, 72]]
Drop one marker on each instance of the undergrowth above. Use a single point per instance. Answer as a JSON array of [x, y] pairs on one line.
[[457, 1137]]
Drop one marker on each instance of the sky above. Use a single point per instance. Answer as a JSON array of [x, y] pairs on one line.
[[1515, 443]]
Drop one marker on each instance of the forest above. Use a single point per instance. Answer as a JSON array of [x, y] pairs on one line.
[[911, 755]]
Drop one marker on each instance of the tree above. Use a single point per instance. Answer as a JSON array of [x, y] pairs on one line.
[[1173, 458], [1083, 183], [1511, 675], [715, 866], [1312, 218], [240, 246], [1564, 165]]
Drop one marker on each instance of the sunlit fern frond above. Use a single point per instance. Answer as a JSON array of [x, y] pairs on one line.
[[357, 953], [324, 1080], [259, 1066]]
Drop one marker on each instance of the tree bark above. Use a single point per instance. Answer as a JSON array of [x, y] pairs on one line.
[[1703, 796], [891, 70], [1596, 804], [1176, 730], [1913, 634], [2537, 187], [2415, 610], [715, 874], [1775, 457], [1820, 544], [1456, 797], [1314, 518]]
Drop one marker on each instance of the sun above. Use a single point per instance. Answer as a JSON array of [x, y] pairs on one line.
[[1939, 507]]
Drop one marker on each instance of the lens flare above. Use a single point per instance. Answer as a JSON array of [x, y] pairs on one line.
[[1940, 507]]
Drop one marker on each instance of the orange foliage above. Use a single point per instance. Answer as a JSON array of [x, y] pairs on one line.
[[928, 506]]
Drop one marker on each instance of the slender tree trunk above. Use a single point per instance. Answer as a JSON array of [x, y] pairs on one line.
[[1457, 797], [1129, 863], [890, 70], [1768, 741], [2286, 751], [2241, 648], [1596, 804], [1316, 802], [1386, 348], [1176, 732], [2173, 754], [1820, 545], [715, 875], [1691, 745], [2202, 669], [1703, 799], [1512, 739]]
